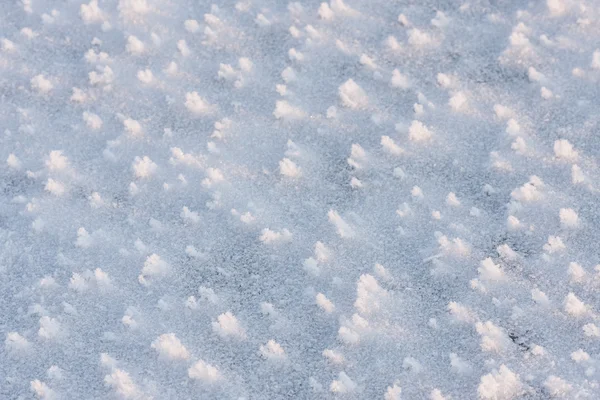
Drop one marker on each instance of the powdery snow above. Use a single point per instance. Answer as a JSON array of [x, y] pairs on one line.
[[299, 200]]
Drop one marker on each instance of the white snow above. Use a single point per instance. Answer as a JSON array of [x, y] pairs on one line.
[[168, 346], [501, 384], [204, 372], [335, 199], [418, 132], [41, 84], [227, 325], [352, 95]]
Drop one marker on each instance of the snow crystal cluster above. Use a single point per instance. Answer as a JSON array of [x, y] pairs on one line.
[[353, 199]]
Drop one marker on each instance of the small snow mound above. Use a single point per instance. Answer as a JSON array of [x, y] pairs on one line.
[[40, 84], [493, 338], [576, 272], [42, 391], [198, 105], [488, 271], [227, 325], [459, 102], [568, 218], [272, 351], [154, 266], [324, 303], [343, 384], [557, 387], [399, 80], [92, 120], [123, 385], [285, 111], [575, 307], [452, 200], [418, 132], [50, 328], [144, 167], [145, 76], [596, 60], [529, 192], [15, 342], [289, 168], [554, 245], [502, 384], [564, 150], [540, 297], [169, 346], [556, 8], [369, 295], [342, 227], [91, 13], [352, 95], [191, 25], [419, 39], [393, 392], [13, 162], [269, 236], [56, 161], [55, 187], [390, 146], [202, 371], [188, 216]]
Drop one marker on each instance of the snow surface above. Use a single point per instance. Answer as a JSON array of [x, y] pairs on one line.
[[256, 199]]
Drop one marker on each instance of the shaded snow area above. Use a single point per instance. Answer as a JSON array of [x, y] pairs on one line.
[[353, 199]]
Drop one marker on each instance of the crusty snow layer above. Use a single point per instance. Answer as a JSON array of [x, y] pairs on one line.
[[363, 199]]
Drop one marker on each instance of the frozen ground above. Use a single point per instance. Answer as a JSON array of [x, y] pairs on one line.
[[360, 199]]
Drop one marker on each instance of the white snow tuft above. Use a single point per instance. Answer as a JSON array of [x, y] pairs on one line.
[[227, 325], [272, 351], [92, 120], [269, 236], [390, 146], [202, 371], [154, 266], [501, 384], [169, 346], [568, 218], [369, 294], [342, 227], [393, 392], [189, 216], [198, 105], [41, 84], [285, 111], [399, 80], [42, 391], [50, 328], [557, 387], [91, 13], [488, 271], [564, 150], [289, 168], [144, 167], [13, 162], [15, 342], [352, 95], [554, 245], [123, 385], [574, 306], [493, 338], [324, 303], [343, 384], [418, 132]]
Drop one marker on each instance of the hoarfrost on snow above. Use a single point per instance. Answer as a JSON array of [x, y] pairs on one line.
[[332, 199]]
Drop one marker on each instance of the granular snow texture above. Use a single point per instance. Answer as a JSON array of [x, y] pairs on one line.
[[358, 199]]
